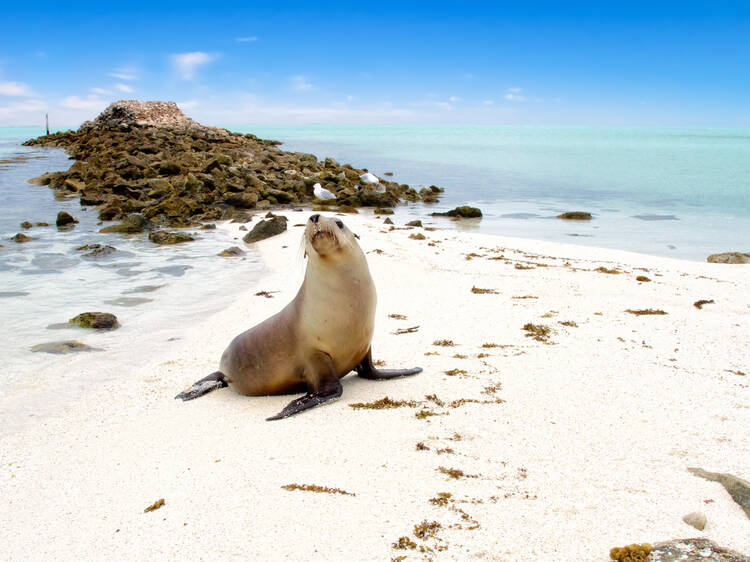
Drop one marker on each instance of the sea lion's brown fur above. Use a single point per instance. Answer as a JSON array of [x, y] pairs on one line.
[[319, 337]]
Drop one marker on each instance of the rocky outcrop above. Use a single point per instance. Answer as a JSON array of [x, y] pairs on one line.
[[150, 159], [729, 257]]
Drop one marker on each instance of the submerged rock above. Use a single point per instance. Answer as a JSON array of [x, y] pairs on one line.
[[265, 229], [65, 220], [231, 252], [96, 250], [575, 216], [61, 347], [461, 212], [21, 238], [96, 320], [729, 257], [164, 238]]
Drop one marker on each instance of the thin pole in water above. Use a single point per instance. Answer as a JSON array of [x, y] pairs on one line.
[[46, 118]]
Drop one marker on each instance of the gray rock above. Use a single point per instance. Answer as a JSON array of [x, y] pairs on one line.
[[695, 519], [61, 347], [265, 229], [387, 221], [738, 488], [693, 549], [729, 257]]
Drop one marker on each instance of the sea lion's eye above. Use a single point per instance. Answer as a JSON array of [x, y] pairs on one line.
[[340, 224]]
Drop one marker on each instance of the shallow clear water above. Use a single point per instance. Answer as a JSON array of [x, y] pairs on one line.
[[155, 291], [682, 193]]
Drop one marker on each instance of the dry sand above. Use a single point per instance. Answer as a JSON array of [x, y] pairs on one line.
[[587, 447]]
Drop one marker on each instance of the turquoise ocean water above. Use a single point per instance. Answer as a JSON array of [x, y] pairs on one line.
[[682, 193]]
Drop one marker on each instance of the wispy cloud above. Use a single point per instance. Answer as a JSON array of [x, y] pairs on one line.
[[300, 84], [187, 64], [127, 73], [246, 39], [488, 103], [454, 99], [15, 89], [514, 94], [17, 110], [124, 88], [89, 103], [101, 92]]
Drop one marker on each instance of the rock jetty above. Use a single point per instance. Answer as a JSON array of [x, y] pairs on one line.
[[149, 158]]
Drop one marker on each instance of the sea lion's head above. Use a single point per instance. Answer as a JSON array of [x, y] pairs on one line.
[[325, 236]]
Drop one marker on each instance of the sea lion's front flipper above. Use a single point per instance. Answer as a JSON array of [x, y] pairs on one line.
[[367, 370], [324, 383], [204, 386]]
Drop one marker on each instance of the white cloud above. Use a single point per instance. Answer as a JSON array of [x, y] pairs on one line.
[[187, 64], [127, 73], [101, 92], [454, 99], [488, 102], [187, 104], [89, 103], [246, 39], [514, 94], [300, 84], [124, 88], [15, 89], [21, 112]]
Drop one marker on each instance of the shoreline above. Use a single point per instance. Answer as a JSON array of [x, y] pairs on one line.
[[587, 451]]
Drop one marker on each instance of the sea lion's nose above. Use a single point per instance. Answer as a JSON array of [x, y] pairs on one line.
[[314, 218]]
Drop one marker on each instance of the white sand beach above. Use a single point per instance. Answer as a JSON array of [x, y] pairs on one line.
[[550, 450]]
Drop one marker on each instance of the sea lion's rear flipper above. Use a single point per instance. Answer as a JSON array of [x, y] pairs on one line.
[[367, 370], [324, 385], [204, 386]]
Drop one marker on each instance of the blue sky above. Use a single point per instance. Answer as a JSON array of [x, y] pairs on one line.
[[555, 63]]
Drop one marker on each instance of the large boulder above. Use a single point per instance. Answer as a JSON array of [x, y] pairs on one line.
[[265, 229]]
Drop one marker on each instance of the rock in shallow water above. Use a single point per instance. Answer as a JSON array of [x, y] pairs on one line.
[[164, 238], [62, 347], [575, 216], [96, 320], [231, 252], [463, 211], [65, 220]]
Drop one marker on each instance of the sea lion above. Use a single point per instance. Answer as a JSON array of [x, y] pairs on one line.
[[318, 338]]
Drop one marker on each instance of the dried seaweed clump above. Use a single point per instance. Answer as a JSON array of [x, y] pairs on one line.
[[444, 343], [383, 404], [539, 332], [442, 499], [631, 552], [699, 304], [156, 505], [404, 543], [645, 311], [454, 473], [602, 269], [426, 529], [479, 291], [454, 372], [315, 488], [643, 279]]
